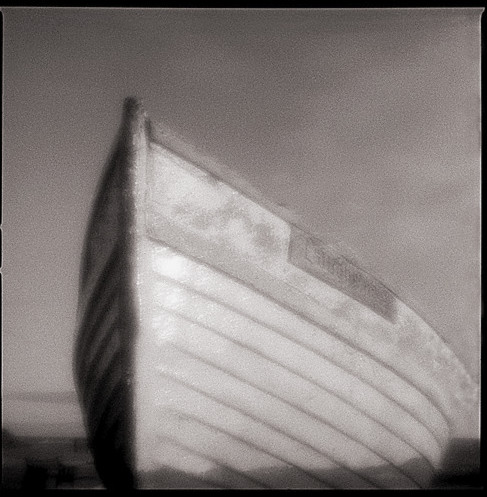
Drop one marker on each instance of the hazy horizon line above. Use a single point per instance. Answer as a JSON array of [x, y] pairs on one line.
[[64, 397]]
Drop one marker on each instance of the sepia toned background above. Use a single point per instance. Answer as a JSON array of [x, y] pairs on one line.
[[364, 122]]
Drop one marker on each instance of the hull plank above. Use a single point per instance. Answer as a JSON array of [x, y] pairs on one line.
[[222, 344]]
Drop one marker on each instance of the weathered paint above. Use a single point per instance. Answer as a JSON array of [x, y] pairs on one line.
[[230, 246], [327, 264]]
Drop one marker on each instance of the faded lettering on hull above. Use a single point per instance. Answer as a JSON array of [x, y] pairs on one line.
[[316, 258]]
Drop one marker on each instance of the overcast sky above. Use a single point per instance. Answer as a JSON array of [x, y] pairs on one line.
[[364, 122]]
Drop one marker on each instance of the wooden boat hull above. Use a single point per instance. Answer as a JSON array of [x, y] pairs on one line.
[[221, 345]]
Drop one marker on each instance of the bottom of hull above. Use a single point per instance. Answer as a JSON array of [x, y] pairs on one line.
[[280, 477]]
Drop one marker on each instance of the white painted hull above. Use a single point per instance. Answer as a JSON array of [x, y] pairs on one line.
[[258, 356]]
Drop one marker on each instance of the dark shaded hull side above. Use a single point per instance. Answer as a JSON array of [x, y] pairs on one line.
[[103, 350], [104, 386]]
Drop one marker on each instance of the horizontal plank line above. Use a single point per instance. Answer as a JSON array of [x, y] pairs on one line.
[[250, 444], [93, 356], [89, 328], [279, 399], [106, 358], [101, 396], [106, 271], [313, 322], [299, 375], [296, 342], [252, 416]]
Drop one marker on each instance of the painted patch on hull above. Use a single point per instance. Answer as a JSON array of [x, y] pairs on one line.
[[316, 258]]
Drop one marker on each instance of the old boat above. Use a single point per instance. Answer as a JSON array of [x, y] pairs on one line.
[[221, 344]]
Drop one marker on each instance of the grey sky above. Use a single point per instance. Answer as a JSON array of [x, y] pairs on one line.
[[366, 123]]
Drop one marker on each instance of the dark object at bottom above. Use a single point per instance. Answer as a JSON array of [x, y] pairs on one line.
[[35, 477]]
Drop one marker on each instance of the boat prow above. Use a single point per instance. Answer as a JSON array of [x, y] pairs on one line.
[[223, 345]]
